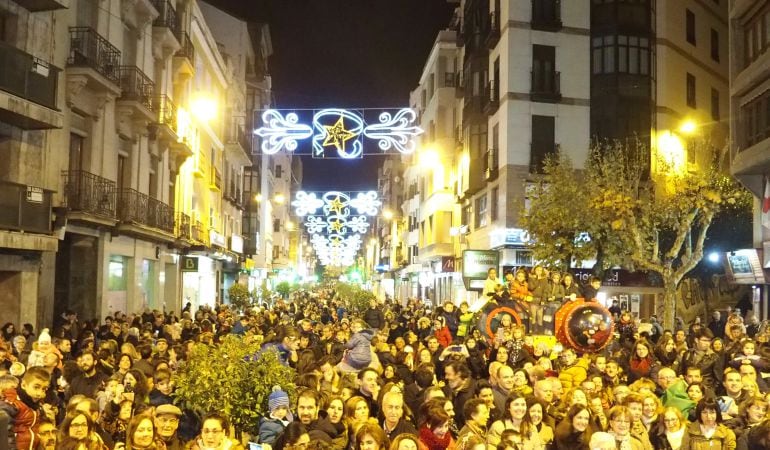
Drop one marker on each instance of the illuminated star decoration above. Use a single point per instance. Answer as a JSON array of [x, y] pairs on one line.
[[344, 220], [396, 129], [336, 135]]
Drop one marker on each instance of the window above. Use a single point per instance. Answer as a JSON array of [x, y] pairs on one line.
[[756, 117], [543, 141], [632, 54], [278, 171], [690, 26], [543, 68], [715, 45], [276, 225], [691, 91], [757, 36], [465, 215], [495, 204], [714, 104], [481, 212]]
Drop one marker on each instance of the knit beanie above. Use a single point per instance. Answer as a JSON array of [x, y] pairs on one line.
[[44, 336], [277, 399]]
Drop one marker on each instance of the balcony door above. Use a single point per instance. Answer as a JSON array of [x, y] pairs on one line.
[[88, 14], [76, 152], [543, 68]]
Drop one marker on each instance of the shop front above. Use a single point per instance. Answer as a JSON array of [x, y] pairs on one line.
[[636, 292]]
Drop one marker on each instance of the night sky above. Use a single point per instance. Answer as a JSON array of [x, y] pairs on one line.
[[345, 53]]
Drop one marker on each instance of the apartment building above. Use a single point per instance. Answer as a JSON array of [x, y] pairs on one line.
[[525, 81], [749, 61], [32, 97]]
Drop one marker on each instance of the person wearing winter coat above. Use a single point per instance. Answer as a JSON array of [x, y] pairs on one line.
[[465, 321], [358, 349], [708, 432], [272, 426], [441, 331], [374, 317], [23, 406]]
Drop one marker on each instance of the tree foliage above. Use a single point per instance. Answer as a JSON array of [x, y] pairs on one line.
[[355, 298], [612, 211], [283, 288], [228, 378], [239, 296]]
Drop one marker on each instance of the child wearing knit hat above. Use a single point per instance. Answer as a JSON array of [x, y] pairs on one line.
[[272, 426]]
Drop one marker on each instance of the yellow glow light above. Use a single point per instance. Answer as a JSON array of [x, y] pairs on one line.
[[672, 151], [387, 214], [204, 108], [279, 198], [428, 158], [688, 126], [289, 225], [258, 198]]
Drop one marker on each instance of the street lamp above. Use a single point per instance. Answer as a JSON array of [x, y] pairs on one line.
[[688, 127], [387, 214]]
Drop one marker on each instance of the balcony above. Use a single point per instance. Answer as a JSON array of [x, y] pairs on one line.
[[93, 60], [492, 97], [137, 93], [183, 227], [144, 216], [29, 90], [493, 31], [165, 129], [25, 208], [546, 15], [199, 233], [238, 142], [459, 85], [492, 164], [184, 58], [165, 40], [546, 87], [43, 5], [215, 182], [449, 79], [89, 197]]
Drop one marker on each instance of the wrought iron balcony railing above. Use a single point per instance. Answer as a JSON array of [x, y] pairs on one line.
[[89, 49], [199, 232], [28, 77], [136, 86], [139, 208], [166, 110], [183, 226], [187, 50], [167, 17], [89, 193]]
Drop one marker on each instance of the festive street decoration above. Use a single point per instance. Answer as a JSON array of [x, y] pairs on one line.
[[336, 221], [335, 132]]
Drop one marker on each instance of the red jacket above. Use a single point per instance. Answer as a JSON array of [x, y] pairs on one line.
[[23, 419], [444, 336]]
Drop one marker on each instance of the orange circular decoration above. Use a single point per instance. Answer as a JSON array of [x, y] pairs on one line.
[[584, 326], [494, 313]]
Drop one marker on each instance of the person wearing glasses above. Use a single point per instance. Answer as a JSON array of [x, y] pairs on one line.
[[702, 357], [752, 412], [620, 429], [708, 432], [47, 434], [668, 432], [214, 435], [77, 432], [166, 424]]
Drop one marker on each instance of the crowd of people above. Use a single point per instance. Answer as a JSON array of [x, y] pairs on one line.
[[392, 377]]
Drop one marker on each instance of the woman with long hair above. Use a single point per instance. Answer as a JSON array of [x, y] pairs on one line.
[[708, 432], [142, 434], [668, 432], [331, 427], [516, 418], [752, 412], [294, 437], [642, 363], [371, 437], [405, 441], [574, 431], [78, 432], [536, 410], [651, 409], [666, 353]]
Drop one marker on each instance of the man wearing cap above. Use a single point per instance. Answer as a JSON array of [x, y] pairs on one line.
[[167, 422]]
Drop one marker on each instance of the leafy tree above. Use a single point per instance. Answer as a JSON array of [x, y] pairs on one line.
[[228, 378], [283, 288], [354, 297], [612, 210], [239, 296]]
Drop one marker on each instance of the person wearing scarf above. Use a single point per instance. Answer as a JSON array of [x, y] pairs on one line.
[[620, 427], [642, 363]]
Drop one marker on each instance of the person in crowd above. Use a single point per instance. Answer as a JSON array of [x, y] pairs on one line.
[[620, 428], [371, 437], [708, 432], [574, 431], [273, 425], [294, 437], [214, 435], [24, 407], [166, 420], [516, 418], [434, 428]]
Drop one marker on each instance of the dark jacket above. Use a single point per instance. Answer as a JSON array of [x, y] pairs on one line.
[[24, 414], [325, 431], [403, 427]]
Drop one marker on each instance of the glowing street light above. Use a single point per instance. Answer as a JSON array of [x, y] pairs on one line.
[[204, 108], [279, 198], [688, 127], [387, 214]]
